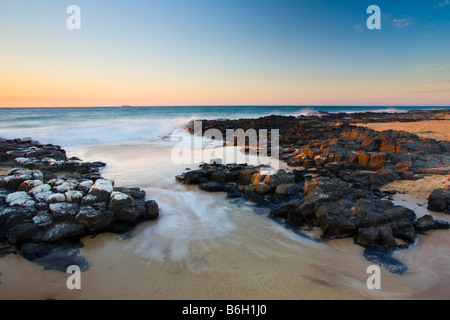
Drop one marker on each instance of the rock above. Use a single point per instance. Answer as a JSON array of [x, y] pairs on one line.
[[368, 237], [218, 176], [89, 199], [43, 196], [439, 200], [387, 237], [131, 213], [20, 198], [56, 198], [64, 230], [74, 196], [399, 213], [94, 220], [40, 189], [334, 222], [192, 177], [85, 186], [404, 230], [66, 186], [211, 186], [27, 185], [64, 211], [22, 233], [371, 212], [152, 210], [424, 223], [288, 211], [43, 219], [102, 189], [119, 200], [262, 188], [288, 190], [281, 177], [232, 190]]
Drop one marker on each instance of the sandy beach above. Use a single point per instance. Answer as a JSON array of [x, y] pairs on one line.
[[433, 129]]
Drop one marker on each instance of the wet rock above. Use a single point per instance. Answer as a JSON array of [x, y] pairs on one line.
[[152, 210], [94, 220], [232, 190], [102, 189], [20, 198], [27, 185], [64, 211], [85, 186], [119, 200], [131, 213], [427, 222], [64, 230], [74, 196], [439, 200], [211, 186], [56, 198], [22, 233], [43, 219], [368, 237]]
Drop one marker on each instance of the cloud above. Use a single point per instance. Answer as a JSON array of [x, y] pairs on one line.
[[401, 23], [442, 4]]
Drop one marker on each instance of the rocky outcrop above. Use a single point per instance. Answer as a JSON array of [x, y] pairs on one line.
[[339, 170], [339, 208], [49, 201]]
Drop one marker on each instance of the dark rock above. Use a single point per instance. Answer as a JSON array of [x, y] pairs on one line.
[[211, 186], [64, 211], [439, 200], [424, 223], [191, 177], [152, 210], [232, 190], [131, 213], [368, 237], [64, 230], [404, 230], [102, 189], [94, 220], [22, 233]]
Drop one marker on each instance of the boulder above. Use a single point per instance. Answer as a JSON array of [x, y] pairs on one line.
[[211, 186], [102, 189], [28, 185], [56, 198], [64, 230], [439, 200], [64, 211], [74, 196], [20, 198], [94, 220], [118, 200]]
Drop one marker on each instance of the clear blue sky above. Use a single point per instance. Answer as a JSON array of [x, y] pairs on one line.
[[183, 52]]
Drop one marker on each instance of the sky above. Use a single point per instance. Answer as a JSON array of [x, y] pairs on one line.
[[224, 52]]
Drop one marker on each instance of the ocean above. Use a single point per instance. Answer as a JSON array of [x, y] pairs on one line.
[[203, 246], [109, 125]]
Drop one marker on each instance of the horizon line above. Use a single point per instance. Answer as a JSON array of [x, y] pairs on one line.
[[231, 105]]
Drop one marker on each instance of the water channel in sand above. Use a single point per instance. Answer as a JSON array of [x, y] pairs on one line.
[[205, 247]]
